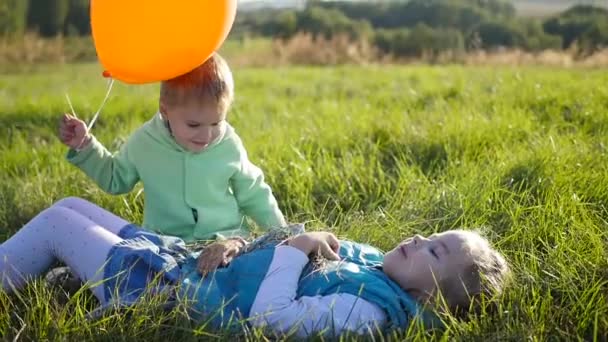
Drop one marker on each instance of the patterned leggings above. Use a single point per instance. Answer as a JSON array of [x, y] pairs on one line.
[[74, 231]]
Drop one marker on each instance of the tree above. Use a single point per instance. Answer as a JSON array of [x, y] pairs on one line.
[[13, 15], [572, 24], [48, 16], [418, 41], [500, 34], [78, 20], [596, 37], [327, 23], [284, 25]]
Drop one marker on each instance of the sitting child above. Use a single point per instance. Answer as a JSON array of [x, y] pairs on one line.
[[198, 181], [197, 177]]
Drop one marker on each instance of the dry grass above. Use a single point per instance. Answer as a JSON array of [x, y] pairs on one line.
[[303, 49], [30, 49], [308, 50], [25, 53], [545, 58]]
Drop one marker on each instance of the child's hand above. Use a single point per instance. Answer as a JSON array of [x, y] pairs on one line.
[[73, 132], [219, 254], [323, 243]]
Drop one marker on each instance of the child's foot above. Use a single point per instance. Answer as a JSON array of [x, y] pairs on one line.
[[62, 277]]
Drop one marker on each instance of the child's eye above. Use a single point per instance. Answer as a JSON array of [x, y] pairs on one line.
[[215, 124], [193, 125]]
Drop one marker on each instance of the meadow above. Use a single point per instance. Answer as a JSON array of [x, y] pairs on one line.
[[371, 153]]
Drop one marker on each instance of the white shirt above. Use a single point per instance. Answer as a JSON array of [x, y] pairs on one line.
[[276, 307]]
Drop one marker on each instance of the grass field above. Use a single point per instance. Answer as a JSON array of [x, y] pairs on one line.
[[374, 154]]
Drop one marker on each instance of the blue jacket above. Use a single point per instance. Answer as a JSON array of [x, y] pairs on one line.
[[225, 297]]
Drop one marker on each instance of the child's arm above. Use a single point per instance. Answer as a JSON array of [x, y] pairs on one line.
[[277, 308], [254, 196], [114, 173]]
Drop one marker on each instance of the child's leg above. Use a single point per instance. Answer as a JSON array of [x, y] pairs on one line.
[[56, 233], [94, 213]]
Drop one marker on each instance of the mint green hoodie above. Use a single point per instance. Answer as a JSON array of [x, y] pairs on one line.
[[189, 195]]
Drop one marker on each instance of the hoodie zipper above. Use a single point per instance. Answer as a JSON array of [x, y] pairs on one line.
[[195, 215]]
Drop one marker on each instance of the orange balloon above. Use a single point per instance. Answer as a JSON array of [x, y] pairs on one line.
[[142, 41]]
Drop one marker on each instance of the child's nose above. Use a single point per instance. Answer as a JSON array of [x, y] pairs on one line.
[[418, 239], [206, 134]]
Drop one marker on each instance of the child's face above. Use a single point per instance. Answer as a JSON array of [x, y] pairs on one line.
[[194, 125], [419, 263]]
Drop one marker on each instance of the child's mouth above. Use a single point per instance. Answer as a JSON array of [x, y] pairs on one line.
[[199, 144]]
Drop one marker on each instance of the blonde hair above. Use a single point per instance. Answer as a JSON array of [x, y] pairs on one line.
[[211, 80], [485, 277]]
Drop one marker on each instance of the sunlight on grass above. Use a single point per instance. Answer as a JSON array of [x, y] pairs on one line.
[[373, 154]]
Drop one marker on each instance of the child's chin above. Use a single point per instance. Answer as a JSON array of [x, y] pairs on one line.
[[197, 149]]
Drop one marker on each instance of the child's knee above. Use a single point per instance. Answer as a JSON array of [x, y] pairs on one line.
[[55, 218], [70, 202]]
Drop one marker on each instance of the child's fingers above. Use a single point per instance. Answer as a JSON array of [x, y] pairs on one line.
[[64, 127], [71, 120], [203, 268], [225, 262], [209, 260], [66, 138], [333, 242], [209, 266], [68, 118], [65, 133], [240, 239], [229, 255], [73, 123], [67, 125], [327, 252]]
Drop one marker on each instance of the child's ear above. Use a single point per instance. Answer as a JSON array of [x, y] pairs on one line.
[[162, 109]]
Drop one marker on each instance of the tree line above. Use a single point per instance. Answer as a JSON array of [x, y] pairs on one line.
[[415, 27], [402, 28], [47, 17]]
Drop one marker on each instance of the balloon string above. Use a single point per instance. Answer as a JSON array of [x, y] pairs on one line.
[[94, 119], [70, 104]]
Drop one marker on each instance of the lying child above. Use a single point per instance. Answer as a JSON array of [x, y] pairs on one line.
[[270, 283]]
